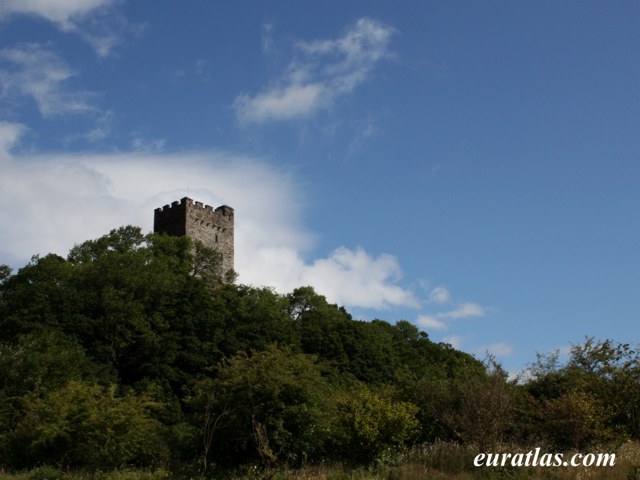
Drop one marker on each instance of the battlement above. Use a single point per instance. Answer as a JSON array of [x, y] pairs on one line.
[[224, 210], [213, 227]]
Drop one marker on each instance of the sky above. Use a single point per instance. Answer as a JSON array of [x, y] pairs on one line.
[[471, 167]]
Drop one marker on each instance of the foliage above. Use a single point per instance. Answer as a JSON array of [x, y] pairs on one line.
[[484, 408], [611, 373], [41, 361], [268, 406], [47, 472], [368, 424], [87, 425], [5, 272], [592, 399], [575, 419], [134, 351]]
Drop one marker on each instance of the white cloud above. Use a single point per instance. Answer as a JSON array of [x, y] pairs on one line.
[[57, 200], [267, 37], [465, 310], [498, 349], [455, 341], [360, 278], [142, 145], [281, 103], [322, 72], [438, 320], [102, 43], [430, 322], [9, 135], [202, 69], [64, 13], [93, 20], [439, 295], [32, 71]]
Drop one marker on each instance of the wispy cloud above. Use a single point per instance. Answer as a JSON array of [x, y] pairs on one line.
[[440, 320], [35, 72], [431, 323], [202, 69], [61, 199], [10, 133], [64, 13], [498, 349], [93, 20], [456, 341], [267, 37], [321, 72], [439, 295], [143, 145], [464, 310]]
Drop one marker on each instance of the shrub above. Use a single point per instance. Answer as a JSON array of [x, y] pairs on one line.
[[268, 407], [46, 472], [369, 424], [85, 425]]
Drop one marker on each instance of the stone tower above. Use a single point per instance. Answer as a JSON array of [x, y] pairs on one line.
[[214, 228]]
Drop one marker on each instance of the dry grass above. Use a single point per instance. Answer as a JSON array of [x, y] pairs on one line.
[[438, 461], [446, 461]]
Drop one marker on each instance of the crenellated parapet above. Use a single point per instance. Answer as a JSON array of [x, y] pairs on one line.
[[213, 227]]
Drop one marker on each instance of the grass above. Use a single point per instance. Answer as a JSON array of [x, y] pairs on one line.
[[439, 461]]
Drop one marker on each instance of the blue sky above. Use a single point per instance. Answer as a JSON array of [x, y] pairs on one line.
[[471, 167]]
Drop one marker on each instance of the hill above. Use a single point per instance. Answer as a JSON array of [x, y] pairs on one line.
[[133, 351]]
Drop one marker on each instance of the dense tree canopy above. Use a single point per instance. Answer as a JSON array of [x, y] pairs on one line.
[[133, 344]]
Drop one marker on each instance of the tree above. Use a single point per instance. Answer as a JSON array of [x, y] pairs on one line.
[[368, 423], [593, 398], [42, 361], [269, 406], [576, 419], [5, 272], [86, 425], [485, 407], [610, 372], [38, 296]]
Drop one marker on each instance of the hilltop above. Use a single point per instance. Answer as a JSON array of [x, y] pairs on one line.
[[133, 351]]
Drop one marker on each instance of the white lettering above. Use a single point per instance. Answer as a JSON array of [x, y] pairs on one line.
[[479, 459], [606, 459], [535, 458], [518, 459]]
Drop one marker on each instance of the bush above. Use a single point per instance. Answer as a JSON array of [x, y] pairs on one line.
[[46, 473], [85, 425], [368, 424], [268, 407]]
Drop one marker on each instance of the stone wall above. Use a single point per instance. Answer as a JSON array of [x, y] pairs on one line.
[[214, 228]]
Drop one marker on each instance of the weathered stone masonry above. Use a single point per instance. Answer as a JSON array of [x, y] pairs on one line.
[[214, 228]]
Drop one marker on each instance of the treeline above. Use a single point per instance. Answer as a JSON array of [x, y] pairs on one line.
[[132, 351]]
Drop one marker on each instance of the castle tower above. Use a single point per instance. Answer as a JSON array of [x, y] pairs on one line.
[[214, 228]]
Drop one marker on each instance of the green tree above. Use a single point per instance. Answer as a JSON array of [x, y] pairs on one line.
[[5, 272], [368, 424], [87, 425], [130, 300], [38, 296], [42, 361], [575, 419], [269, 406], [593, 398], [484, 407], [254, 319], [610, 372]]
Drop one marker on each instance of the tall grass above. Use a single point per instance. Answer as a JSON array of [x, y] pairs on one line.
[[436, 461]]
